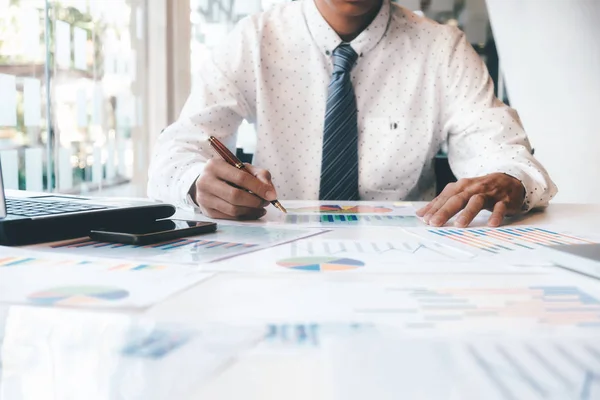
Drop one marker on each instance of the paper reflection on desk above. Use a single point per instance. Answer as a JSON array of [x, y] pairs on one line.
[[472, 368], [67, 354]]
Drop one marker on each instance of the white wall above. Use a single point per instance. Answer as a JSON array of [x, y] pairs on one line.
[[550, 54]]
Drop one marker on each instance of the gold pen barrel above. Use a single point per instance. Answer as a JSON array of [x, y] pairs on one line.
[[278, 205]]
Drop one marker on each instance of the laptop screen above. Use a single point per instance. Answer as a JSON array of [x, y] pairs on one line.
[[2, 202]]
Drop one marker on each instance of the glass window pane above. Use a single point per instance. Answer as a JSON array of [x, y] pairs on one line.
[[23, 118], [97, 91]]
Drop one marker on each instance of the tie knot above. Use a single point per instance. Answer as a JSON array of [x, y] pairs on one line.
[[344, 58]]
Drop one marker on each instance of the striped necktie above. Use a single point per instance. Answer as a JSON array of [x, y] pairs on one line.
[[339, 167]]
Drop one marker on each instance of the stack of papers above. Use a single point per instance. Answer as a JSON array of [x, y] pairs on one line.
[[384, 304]]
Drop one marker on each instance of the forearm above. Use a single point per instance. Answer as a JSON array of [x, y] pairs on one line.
[[518, 163], [179, 158], [496, 142]]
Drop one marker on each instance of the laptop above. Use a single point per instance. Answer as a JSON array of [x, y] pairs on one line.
[[45, 218]]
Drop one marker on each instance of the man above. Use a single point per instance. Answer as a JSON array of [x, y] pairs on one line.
[[352, 100]]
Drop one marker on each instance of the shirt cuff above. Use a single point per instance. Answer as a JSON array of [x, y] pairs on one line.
[[186, 181]]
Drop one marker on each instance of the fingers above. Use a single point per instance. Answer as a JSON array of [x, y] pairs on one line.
[[498, 214], [261, 174], [421, 212], [500, 193], [215, 214], [215, 207], [449, 209], [231, 194], [474, 206], [450, 190], [244, 180], [222, 191]]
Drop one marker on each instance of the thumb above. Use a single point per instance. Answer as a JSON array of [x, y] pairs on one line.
[[265, 177]]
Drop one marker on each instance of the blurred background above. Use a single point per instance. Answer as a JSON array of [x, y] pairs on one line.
[[86, 85]]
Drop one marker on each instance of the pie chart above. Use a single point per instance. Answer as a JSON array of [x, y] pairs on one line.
[[78, 295], [320, 263], [338, 209]]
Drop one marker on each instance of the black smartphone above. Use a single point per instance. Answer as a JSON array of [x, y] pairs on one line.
[[155, 232]]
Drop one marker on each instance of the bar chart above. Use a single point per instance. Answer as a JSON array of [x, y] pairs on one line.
[[60, 262], [228, 241], [437, 308], [476, 368], [164, 246], [532, 370], [352, 220], [503, 240], [192, 249], [341, 209]]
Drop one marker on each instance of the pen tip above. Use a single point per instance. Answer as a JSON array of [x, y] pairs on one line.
[[280, 207]]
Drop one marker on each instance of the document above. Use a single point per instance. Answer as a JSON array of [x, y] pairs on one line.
[[227, 241], [379, 366], [399, 254], [340, 214], [418, 305], [517, 245], [87, 355], [55, 280], [297, 338]]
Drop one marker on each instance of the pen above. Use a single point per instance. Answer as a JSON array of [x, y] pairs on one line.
[[231, 159]]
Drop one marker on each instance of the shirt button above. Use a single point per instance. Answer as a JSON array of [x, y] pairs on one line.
[[327, 52]]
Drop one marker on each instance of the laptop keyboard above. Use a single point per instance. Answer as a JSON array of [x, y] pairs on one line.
[[29, 208]]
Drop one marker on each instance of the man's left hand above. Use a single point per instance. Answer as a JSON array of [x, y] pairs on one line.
[[502, 194]]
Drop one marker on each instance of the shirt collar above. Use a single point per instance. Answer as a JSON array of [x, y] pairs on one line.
[[327, 40]]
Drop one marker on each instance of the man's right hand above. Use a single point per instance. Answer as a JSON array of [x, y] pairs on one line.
[[222, 191]]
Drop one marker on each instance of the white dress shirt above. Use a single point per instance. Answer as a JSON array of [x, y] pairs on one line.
[[417, 84]]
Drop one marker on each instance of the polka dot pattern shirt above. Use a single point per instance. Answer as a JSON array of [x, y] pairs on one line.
[[418, 84]]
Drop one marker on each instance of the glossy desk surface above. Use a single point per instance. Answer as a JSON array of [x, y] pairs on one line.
[[50, 353]]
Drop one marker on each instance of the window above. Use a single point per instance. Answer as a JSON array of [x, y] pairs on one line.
[[73, 81]]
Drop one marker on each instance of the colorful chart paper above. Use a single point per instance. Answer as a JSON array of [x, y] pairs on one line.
[[425, 304], [137, 267], [78, 295], [330, 220], [227, 241], [16, 261], [42, 278], [551, 305], [320, 263], [341, 209], [504, 240], [24, 261], [497, 368]]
